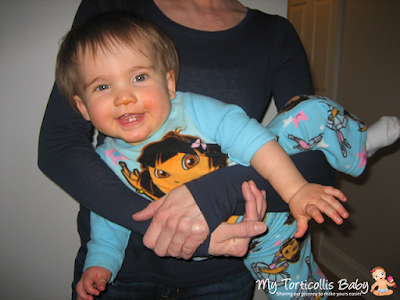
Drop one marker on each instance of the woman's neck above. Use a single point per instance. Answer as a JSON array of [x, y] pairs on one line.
[[204, 15]]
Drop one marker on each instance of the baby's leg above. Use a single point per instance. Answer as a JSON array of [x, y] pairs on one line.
[[318, 123], [280, 263]]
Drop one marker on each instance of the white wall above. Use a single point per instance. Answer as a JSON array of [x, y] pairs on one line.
[[37, 220], [38, 238]]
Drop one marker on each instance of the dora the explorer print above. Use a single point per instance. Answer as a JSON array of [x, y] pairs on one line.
[[182, 152]]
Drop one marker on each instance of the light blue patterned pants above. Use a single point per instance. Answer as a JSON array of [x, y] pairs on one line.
[[283, 266]]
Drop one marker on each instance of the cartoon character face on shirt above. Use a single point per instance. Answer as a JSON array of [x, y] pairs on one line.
[[171, 162], [292, 103], [291, 250], [179, 169]]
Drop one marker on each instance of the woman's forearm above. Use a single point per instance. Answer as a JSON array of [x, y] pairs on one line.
[[219, 193]]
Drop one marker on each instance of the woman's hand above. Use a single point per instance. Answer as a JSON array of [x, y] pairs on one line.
[[233, 239], [178, 227]]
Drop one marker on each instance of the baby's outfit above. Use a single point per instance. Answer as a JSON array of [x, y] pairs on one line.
[[281, 264], [318, 123]]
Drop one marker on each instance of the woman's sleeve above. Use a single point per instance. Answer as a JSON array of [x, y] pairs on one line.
[[220, 191], [291, 76], [67, 157], [219, 195]]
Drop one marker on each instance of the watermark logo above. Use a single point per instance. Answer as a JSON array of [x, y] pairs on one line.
[[313, 289], [382, 283]]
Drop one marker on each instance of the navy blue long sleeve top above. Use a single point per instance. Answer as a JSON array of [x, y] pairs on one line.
[[260, 58]]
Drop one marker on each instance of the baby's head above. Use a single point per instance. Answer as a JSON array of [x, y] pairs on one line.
[[119, 70], [378, 273], [105, 31]]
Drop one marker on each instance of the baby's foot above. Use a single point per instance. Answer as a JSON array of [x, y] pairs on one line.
[[382, 133]]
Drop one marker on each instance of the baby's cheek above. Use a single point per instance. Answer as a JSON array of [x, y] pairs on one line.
[[155, 97]]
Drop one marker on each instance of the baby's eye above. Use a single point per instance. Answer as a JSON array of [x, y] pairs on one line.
[[102, 87], [139, 78]]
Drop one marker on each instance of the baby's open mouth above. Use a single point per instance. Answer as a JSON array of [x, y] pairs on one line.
[[129, 118]]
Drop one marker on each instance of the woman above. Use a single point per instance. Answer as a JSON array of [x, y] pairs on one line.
[[231, 53]]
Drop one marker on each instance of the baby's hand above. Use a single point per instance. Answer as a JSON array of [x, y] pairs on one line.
[[311, 200], [92, 282]]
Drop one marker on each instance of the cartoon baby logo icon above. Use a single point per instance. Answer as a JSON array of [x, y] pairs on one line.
[[380, 287]]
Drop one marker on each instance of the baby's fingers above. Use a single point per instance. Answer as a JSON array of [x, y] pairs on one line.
[[333, 209], [91, 289], [332, 213], [82, 292], [340, 209], [333, 204], [335, 193], [314, 213], [302, 226]]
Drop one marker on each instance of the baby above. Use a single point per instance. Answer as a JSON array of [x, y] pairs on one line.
[[120, 73], [379, 274]]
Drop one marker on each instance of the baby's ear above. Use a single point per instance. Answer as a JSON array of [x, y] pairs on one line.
[[80, 105], [171, 84]]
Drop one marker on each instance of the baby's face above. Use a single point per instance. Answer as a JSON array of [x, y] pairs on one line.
[[379, 274], [123, 93]]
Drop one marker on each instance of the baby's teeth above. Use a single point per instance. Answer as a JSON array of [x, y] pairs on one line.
[[130, 117]]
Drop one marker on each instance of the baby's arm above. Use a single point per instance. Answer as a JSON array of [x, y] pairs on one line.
[[247, 142], [106, 253], [92, 282], [305, 200], [373, 286]]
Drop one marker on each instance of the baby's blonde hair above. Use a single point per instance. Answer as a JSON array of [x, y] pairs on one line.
[[103, 31]]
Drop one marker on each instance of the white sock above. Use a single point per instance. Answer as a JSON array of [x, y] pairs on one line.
[[382, 133]]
